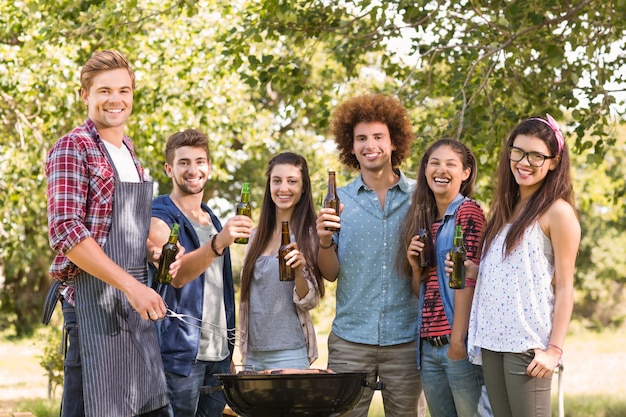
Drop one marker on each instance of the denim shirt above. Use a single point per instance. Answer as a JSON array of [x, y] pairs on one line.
[[443, 242], [375, 304]]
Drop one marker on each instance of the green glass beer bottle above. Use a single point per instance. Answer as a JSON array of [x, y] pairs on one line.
[[168, 255], [458, 255], [331, 200], [285, 272], [243, 207]]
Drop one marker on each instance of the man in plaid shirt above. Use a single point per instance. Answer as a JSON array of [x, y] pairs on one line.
[[99, 215]]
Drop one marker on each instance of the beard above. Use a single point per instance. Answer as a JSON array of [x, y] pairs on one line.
[[196, 189]]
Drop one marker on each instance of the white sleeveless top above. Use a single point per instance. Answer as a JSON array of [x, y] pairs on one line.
[[514, 299]]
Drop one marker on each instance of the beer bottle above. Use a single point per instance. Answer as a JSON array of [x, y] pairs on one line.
[[457, 256], [243, 207], [168, 254], [423, 232], [331, 200], [285, 272]]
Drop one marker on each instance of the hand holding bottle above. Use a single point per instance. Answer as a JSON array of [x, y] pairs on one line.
[[327, 220], [458, 256], [291, 261], [414, 251], [174, 266], [294, 258], [237, 227], [471, 269]]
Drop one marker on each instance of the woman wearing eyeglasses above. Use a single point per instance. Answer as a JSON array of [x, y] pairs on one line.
[[524, 292]]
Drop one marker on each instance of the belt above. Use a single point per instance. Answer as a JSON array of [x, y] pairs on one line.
[[438, 341]]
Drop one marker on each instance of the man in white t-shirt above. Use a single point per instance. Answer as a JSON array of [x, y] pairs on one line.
[[197, 340]]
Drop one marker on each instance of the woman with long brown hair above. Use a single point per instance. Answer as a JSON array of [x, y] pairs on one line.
[[274, 315], [445, 182], [525, 293]]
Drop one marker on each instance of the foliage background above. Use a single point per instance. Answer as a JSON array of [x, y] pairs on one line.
[[263, 76]]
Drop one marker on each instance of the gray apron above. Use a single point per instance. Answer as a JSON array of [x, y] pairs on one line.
[[122, 369]]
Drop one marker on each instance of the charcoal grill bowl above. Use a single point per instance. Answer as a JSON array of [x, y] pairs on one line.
[[293, 395]]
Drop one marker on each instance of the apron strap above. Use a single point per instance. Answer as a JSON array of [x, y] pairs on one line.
[[52, 298]]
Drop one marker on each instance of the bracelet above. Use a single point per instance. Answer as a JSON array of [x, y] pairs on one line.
[[327, 247], [556, 347], [214, 248]]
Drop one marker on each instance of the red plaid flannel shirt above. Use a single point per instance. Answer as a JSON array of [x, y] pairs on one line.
[[81, 184]]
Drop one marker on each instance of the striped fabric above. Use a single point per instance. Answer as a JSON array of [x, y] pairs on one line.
[[434, 321], [122, 368]]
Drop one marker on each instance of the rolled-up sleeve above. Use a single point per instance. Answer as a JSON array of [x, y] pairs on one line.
[[80, 186], [312, 297], [67, 192]]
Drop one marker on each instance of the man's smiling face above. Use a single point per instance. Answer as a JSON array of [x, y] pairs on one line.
[[110, 98]]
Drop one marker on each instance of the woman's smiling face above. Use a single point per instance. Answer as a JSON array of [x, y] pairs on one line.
[[445, 173], [286, 186], [527, 176]]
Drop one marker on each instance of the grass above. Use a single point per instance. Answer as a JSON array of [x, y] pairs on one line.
[[38, 406], [593, 380]]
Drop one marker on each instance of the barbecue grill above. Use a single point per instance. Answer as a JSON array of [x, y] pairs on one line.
[[294, 395]]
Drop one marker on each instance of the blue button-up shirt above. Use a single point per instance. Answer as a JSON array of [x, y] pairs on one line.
[[375, 304]]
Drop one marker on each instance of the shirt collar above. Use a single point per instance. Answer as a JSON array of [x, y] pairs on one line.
[[403, 183], [454, 204]]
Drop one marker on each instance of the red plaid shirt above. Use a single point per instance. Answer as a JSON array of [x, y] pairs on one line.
[[80, 194]]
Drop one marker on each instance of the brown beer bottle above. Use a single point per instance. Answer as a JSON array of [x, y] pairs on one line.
[[423, 232], [331, 200], [285, 272], [243, 207], [168, 254], [458, 255]]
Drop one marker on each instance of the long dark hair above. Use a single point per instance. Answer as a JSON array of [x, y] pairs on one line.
[[424, 196], [557, 184], [302, 224]]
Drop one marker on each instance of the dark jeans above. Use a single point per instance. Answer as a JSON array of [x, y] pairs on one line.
[[161, 412], [72, 404]]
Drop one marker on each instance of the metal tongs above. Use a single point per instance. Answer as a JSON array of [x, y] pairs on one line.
[[205, 326]]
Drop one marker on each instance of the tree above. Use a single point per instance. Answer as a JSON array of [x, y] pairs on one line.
[[471, 71], [182, 83], [264, 76]]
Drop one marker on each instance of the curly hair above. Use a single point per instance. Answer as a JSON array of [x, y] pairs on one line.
[[372, 108]]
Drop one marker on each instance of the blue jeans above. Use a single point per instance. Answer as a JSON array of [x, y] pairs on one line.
[[72, 403], [186, 400], [452, 387], [278, 359]]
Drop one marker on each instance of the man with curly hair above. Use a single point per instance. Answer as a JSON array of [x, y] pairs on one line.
[[375, 327]]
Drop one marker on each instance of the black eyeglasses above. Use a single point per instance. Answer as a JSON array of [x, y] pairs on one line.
[[535, 159]]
